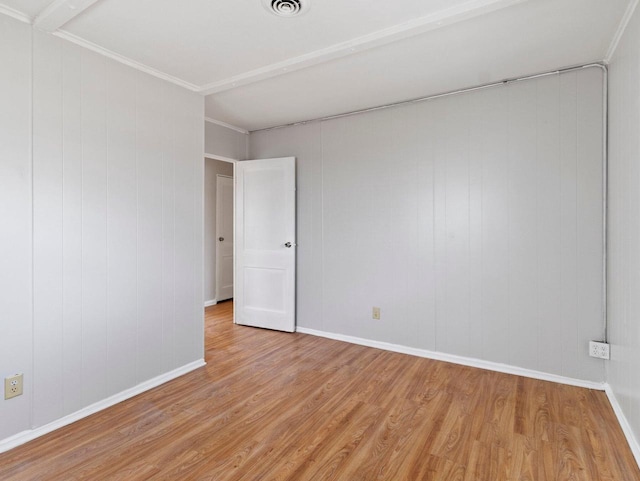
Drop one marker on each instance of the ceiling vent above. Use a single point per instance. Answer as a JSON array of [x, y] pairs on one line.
[[286, 8]]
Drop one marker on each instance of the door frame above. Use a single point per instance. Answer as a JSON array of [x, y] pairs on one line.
[[234, 162], [233, 214]]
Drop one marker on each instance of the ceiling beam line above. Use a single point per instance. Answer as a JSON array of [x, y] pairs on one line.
[[622, 27], [60, 12], [12, 12], [440, 19]]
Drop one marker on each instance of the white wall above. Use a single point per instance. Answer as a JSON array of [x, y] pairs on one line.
[[473, 221], [225, 142], [623, 370], [15, 213], [117, 227], [211, 170]]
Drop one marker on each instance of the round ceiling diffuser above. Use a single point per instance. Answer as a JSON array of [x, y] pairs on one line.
[[286, 8]]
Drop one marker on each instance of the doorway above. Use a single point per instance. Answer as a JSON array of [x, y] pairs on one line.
[[218, 224], [250, 248]]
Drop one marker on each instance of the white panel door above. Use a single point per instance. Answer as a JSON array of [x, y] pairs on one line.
[[224, 237], [265, 243]]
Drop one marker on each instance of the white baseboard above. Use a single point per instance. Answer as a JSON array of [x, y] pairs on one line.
[[465, 361], [212, 302], [624, 423], [25, 436]]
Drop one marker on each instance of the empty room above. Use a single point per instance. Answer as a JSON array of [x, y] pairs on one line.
[[320, 240]]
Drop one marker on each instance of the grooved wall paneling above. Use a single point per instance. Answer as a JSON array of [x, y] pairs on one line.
[[473, 221], [623, 374], [118, 188], [16, 226]]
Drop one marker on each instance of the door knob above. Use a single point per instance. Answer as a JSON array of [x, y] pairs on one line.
[[220, 239], [288, 244]]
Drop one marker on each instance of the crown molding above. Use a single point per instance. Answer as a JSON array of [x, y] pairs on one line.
[[13, 13], [59, 12], [226, 125], [124, 60], [411, 28], [626, 18]]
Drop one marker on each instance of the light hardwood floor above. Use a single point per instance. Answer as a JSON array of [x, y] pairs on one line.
[[275, 406]]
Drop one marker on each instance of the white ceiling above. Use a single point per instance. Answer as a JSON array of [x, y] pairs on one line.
[[30, 8], [205, 41], [342, 55], [534, 37]]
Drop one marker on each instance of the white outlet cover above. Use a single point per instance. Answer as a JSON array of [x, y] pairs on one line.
[[599, 350]]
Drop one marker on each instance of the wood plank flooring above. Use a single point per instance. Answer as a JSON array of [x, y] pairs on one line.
[[275, 406]]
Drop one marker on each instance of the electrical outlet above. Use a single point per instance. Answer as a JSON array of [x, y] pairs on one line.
[[376, 313], [599, 349], [13, 386]]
